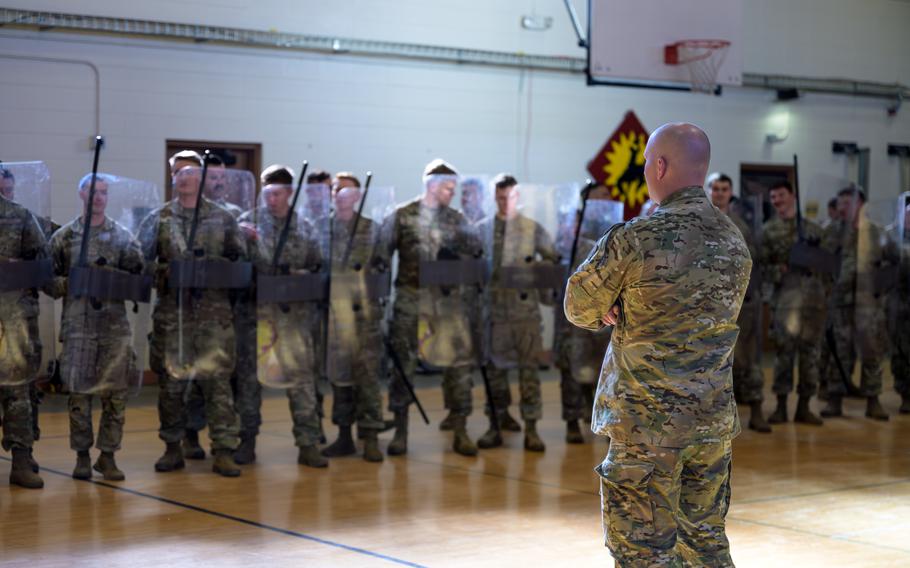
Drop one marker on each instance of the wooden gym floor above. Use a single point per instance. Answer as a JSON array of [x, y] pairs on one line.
[[832, 496]]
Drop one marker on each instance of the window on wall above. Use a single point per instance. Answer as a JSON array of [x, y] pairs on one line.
[[236, 155]]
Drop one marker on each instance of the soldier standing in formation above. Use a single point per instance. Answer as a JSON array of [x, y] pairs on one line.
[[515, 320], [424, 230], [857, 305], [672, 284], [192, 320], [98, 356], [747, 374], [21, 239], [356, 317]]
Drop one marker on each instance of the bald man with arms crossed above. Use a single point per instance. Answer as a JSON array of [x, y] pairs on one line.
[[672, 284]]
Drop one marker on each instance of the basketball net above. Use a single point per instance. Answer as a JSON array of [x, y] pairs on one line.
[[703, 57]]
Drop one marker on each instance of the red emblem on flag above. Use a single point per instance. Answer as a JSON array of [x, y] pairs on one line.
[[620, 165]]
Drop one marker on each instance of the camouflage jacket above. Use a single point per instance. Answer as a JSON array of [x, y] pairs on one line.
[[21, 238], [679, 278], [518, 242], [867, 260], [304, 249], [163, 236], [420, 233], [791, 286], [368, 256], [119, 251]]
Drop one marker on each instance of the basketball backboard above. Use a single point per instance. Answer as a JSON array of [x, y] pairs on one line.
[[627, 40]]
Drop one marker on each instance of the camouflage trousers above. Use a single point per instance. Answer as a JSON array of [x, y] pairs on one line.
[[16, 412], [577, 398], [301, 401], [35, 397], [110, 429], [851, 343], [456, 381], [747, 374], [528, 386], [519, 343], [579, 356], [666, 506], [219, 408]]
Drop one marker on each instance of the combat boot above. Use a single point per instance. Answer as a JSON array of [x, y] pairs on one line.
[[246, 452], [399, 444], [874, 409], [509, 424], [371, 451], [83, 469], [191, 448], [533, 443], [106, 466], [172, 458], [804, 415], [573, 433], [461, 443], [780, 413], [224, 464], [21, 473], [834, 408], [310, 456], [492, 438], [905, 405], [32, 462], [343, 446], [757, 422], [448, 423]]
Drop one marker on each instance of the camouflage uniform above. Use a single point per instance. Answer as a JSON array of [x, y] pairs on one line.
[[858, 309], [515, 323], [106, 327], [294, 328], [356, 340], [665, 396], [453, 231], [209, 332], [20, 355], [747, 373], [798, 300]]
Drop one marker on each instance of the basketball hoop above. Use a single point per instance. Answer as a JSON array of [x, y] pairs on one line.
[[703, 57]]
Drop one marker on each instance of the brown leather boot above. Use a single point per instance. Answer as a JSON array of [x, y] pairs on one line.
[[83, 469], [225, 465], [461, 443], [107, 467], [172, 459], [533, 443], [21, 473], [399, 444], [804, 415]]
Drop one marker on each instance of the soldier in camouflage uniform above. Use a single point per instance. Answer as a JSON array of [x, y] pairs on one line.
[[672, 285], [747, 373], [356, 338], [110, 247], [857, 308], [209, 331], [428, 216], [21, 239], [515, 320], [899, 306], [798, 300], [298, 325]]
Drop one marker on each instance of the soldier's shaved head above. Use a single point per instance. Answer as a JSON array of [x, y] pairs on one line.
[[677, 156]]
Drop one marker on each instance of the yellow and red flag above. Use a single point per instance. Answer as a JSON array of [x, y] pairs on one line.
[[620, 165]]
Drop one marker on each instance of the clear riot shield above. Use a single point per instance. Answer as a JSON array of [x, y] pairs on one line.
[[292, 283], [103, 327], [361, 279], [527, 272], [199, 260], [899, 300], [578, 351], [453, 268], [235, 190], [27, 319], [877, 277]]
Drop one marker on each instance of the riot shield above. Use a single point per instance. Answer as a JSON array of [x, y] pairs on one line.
[[361, 278], [580, 352], [27, 319], [235, 190], [195, 248], [527, 272], [453, 268], [292, 282], [899, 300], [103, 327]]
